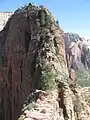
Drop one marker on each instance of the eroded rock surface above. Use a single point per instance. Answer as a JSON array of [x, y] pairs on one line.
[[61, 104], [34, 79], [77, 51], [31, 50]]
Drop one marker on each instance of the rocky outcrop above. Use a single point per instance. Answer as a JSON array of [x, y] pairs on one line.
[[66, 101], [61, 104], [34, 79], [32, 51]]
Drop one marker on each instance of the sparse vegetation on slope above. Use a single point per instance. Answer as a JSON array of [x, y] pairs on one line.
[[83, 78]]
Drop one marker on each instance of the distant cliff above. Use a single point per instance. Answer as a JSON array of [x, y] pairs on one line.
[[4, 16], [77, 51], [78, 56]]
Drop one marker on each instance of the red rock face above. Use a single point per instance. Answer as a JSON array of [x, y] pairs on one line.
[[16, 65], [25, 49]]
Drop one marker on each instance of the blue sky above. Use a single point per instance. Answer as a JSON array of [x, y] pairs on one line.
[[73, 15]]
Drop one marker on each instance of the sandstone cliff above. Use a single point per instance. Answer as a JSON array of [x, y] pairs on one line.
[[78, 56], [28, 46], [77, 51], [34, 79]]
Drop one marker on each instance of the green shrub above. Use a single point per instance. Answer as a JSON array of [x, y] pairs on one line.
[[30, 106], [21, 117], [57, 22], [83, 78], [47, 80], [77, 106], [38, 22], [42, 21], [30, 102], [43, 17], [47, 19]]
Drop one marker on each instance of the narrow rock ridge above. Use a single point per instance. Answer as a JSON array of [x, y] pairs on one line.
[[32, 51], [34, 79]]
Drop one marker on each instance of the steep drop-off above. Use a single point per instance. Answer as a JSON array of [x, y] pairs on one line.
[[30, 44], [34, 79]]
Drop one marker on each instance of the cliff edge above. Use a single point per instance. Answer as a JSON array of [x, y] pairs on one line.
[[34, 79]]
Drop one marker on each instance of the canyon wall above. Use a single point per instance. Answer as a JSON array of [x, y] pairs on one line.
[[34, 78], [28, 45]]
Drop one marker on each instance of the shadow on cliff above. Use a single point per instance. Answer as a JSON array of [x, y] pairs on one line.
[[18, 73]]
